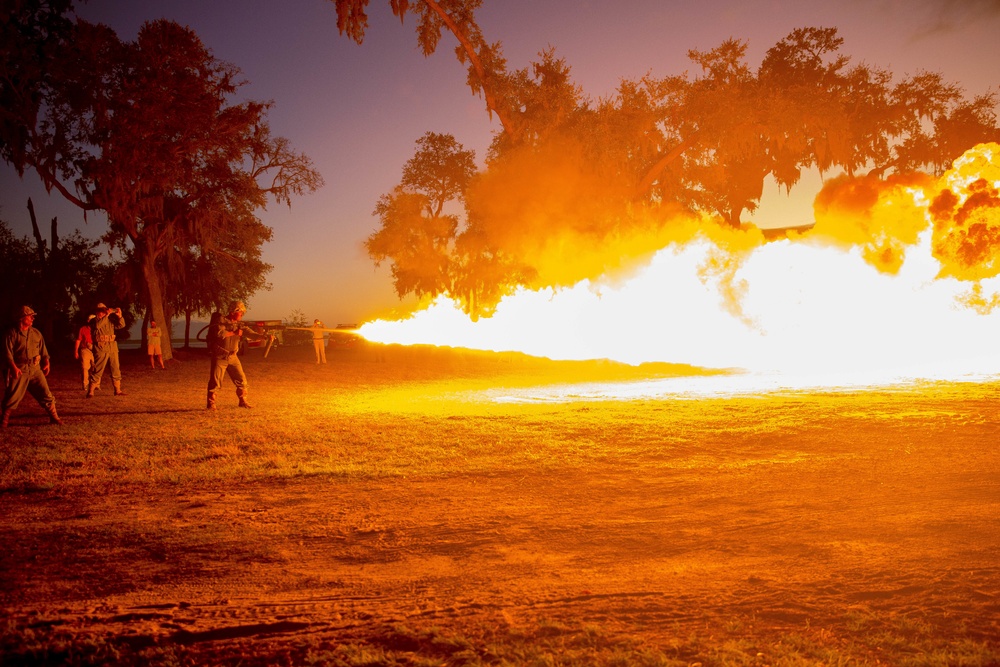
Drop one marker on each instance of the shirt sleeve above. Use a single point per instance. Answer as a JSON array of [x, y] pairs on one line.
[[8, 347], [42, 350]]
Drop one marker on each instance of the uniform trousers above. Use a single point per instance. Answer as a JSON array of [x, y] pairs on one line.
[[32, 380], [103, 356], [229, 365]]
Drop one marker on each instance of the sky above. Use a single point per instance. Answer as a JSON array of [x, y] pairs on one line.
[[357, 111]]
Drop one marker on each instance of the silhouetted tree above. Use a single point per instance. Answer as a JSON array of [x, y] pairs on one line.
[[565, 167], [211, 280], [146, 132], [32, 36], [416, 235], [58, 277]]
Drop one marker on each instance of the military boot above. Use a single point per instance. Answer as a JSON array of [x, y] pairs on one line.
[[90, 391], [242, 394], [54, 416], [118, 389], [211, 401]]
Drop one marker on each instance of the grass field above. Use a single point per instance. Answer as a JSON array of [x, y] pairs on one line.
[[438, 507]]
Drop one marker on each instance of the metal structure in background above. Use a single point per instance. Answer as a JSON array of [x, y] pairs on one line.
[[343, 336]]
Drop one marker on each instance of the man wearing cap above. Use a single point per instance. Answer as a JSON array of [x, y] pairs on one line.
[[83, 350], [102, 331], [26, 363], [223, 338], [319, 343]]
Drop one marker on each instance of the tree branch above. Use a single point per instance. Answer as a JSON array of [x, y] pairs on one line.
[[34, 230], [506, 120], [646, 184]]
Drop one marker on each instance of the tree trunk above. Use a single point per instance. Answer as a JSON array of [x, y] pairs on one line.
[[646, 184], [156, 306], [493, 104], [47, 279], [732, 217], [187, 329]]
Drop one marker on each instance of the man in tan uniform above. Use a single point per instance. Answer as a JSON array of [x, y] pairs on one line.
[[102, 330], [224, 336], [319, 341], [26, 363]]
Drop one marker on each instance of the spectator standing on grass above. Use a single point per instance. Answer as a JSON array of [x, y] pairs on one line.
[[83, 350], [26, 363], [153, 345], [102, 329], [319, 342], [223, 339]]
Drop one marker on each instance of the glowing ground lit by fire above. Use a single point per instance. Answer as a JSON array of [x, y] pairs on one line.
[[376, 506], [896, 282]]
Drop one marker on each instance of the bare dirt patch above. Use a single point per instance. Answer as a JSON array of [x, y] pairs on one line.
[[779, 529]]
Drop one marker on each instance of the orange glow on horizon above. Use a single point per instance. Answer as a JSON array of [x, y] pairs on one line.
[[898, 280]]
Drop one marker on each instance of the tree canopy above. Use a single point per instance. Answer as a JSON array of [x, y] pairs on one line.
[[567, 174], [57, 276], [148, 132]]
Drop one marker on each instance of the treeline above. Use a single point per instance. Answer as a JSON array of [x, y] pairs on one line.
[[53, 274], [148, 132], [574, 187]]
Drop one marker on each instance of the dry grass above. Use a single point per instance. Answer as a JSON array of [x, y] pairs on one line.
[[427, 419], [376, 412], [372, 412]]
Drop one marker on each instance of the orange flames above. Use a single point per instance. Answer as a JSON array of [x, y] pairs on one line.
[[897, 280]]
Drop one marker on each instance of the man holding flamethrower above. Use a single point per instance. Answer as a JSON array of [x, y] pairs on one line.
[[223, 338]]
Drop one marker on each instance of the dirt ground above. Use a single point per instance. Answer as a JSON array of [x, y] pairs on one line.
[[854, 524]]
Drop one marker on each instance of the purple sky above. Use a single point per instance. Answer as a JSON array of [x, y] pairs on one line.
[[357, 110]]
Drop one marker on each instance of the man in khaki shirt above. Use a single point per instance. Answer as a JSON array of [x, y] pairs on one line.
[[26, 363], [106, 348]]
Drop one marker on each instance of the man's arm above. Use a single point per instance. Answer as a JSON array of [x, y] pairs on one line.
[[253, 333], [43, 352], [11, 367]]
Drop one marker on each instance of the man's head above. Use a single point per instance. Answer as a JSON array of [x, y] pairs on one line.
[[317, 323], [152, 323], [237, 309], [25, 316], [102, 311]]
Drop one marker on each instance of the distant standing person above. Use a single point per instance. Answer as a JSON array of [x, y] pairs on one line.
[[319, 342], [153, 345], [102, 329], [223, 339], [26, 363], [83, 350]]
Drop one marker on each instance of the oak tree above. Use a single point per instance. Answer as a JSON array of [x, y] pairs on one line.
[[148, 132]]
